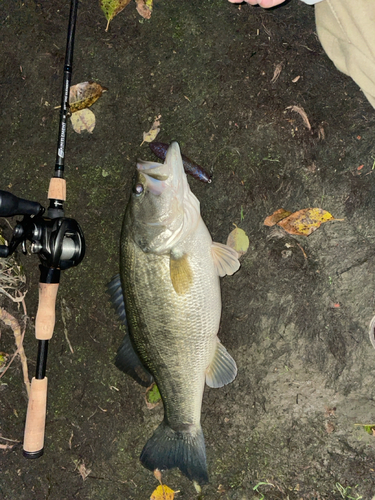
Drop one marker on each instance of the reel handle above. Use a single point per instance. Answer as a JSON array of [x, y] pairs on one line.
[[12, 205], [33, 445]]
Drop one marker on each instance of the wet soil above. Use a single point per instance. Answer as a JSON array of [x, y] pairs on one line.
[[295, 317]]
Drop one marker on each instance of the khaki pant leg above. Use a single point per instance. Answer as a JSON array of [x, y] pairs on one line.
[[346, 29]]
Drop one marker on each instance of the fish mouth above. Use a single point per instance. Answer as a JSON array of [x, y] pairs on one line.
[[159, 176]]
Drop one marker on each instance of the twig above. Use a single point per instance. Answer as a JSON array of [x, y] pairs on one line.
[[7, 446], [16, 440], [65, 314], [302, 113], [9, 320]]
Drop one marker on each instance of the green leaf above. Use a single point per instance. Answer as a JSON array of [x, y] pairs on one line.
[[152, 396], [239, 241], [111, 8]]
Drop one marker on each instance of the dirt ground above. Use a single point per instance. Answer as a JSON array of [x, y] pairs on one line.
[[295, 317]]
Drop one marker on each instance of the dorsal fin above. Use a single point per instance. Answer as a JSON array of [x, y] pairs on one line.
[[225, 259], [114, 289]]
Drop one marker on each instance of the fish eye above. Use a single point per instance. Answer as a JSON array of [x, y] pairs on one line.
[[138, 189]]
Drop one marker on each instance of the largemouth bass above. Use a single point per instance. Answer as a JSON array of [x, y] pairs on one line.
[[169, 294]]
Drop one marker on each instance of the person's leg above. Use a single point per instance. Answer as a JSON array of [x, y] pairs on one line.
[[346, 30]]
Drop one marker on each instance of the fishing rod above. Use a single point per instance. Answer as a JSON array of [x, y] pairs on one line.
[[59, 243]]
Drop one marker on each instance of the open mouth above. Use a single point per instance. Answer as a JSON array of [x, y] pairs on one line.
[[155, 174]]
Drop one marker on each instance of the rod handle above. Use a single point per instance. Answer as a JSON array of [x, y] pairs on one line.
[[33, 443], [45, 317], [57, 189]]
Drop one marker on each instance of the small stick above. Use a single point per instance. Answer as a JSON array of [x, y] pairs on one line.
[[9, 320]]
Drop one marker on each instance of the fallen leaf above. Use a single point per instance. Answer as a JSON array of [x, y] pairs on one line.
[[144, 8], [276, 217], [162, 492], [330, 427], [83, 95], [276, 74], [153, 132], [305, 221], [329, 412], [83, 471], [111, 8], [3, 360], [369, 428], [152, 396], [84, 119], [239, 241]]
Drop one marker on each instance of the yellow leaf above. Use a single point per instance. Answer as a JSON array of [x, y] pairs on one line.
[[305, 221], [239, 241], [83, 95], [276, 217], [83, 119], [162, 492], [153, 132], [144, 8], [111, 8]]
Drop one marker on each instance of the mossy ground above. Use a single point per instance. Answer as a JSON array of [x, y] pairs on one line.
[[206, 67]]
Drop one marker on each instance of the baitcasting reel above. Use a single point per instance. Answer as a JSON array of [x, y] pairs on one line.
[[58, 241]]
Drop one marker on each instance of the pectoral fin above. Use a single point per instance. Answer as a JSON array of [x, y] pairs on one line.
[[225, 259], [181, 274], [223, 368]]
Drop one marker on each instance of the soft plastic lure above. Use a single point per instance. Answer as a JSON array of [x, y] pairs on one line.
[[160, 150]]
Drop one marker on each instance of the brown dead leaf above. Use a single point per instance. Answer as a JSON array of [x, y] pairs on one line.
[[305, 221], [83, 471], [144, 8], [83, 95], [329, 412], [276, 217], [330, 427], [153, 132], [276, 73]]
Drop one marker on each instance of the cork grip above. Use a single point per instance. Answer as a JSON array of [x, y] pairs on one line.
[[57, 189], [45, 317], [36, 417]]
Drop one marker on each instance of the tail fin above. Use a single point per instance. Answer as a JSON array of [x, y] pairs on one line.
[[184, 449]]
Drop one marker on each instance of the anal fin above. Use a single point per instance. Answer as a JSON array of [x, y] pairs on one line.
[[222, 370], [127, 360]]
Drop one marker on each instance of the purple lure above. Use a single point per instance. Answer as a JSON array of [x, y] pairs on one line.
[[160, 150]]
